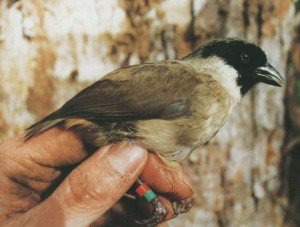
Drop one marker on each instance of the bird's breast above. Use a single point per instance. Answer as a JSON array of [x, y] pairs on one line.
[[175, 139]]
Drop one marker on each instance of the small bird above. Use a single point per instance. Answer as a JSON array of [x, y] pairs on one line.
[[169, 107]]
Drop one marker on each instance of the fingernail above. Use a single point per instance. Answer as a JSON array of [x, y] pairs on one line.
[[125, 158]]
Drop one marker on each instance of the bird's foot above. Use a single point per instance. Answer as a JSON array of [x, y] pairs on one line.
[[181, 207], [158, 216], [160, 211]]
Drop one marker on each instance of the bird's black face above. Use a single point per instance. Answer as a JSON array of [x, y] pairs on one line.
[[249, 60]]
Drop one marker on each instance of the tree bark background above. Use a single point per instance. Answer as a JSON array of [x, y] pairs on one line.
[[291, 148], [50, 50]]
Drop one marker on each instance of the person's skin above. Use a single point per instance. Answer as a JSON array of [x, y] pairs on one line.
[[89, 193]]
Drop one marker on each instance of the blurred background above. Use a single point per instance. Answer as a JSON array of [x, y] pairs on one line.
[[249, 174]]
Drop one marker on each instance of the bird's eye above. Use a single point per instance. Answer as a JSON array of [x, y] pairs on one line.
[[245, 58]]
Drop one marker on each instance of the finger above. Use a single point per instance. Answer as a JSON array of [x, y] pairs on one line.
[[35, 158], [94, 186], [55, 147], [163, 225], [27, 170], [166, 179]]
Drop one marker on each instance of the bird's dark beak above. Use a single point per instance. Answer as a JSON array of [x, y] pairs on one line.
[[269, 75]]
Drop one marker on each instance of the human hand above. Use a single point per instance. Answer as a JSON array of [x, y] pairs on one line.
[[30, 170]]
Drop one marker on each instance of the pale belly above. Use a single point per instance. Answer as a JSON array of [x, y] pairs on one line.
[[175, 140]]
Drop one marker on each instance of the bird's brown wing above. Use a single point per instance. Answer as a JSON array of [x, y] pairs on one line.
[[147, 91]]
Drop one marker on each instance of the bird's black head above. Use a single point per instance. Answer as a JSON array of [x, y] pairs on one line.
[[249, 60]]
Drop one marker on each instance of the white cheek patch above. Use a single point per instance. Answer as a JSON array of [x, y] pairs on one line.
[[225, 74]]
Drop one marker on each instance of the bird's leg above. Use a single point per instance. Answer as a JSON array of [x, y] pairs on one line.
[[159, 209]]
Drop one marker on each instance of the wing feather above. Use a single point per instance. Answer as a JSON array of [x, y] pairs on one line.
[[144, 91]]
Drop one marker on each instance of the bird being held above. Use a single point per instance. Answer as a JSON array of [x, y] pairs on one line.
[[169, 107]]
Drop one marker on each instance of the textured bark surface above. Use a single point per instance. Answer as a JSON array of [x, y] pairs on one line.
[[49, 50], [291, 148]]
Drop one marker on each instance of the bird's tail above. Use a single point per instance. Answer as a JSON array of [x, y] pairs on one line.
[[41, 126]]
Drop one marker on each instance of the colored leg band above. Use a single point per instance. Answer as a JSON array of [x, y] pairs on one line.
[[149, 196], [144, 191]]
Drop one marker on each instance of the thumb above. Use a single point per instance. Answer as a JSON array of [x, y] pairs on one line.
[[93, 187]]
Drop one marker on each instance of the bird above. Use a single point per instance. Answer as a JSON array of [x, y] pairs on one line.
[[169, 107]]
